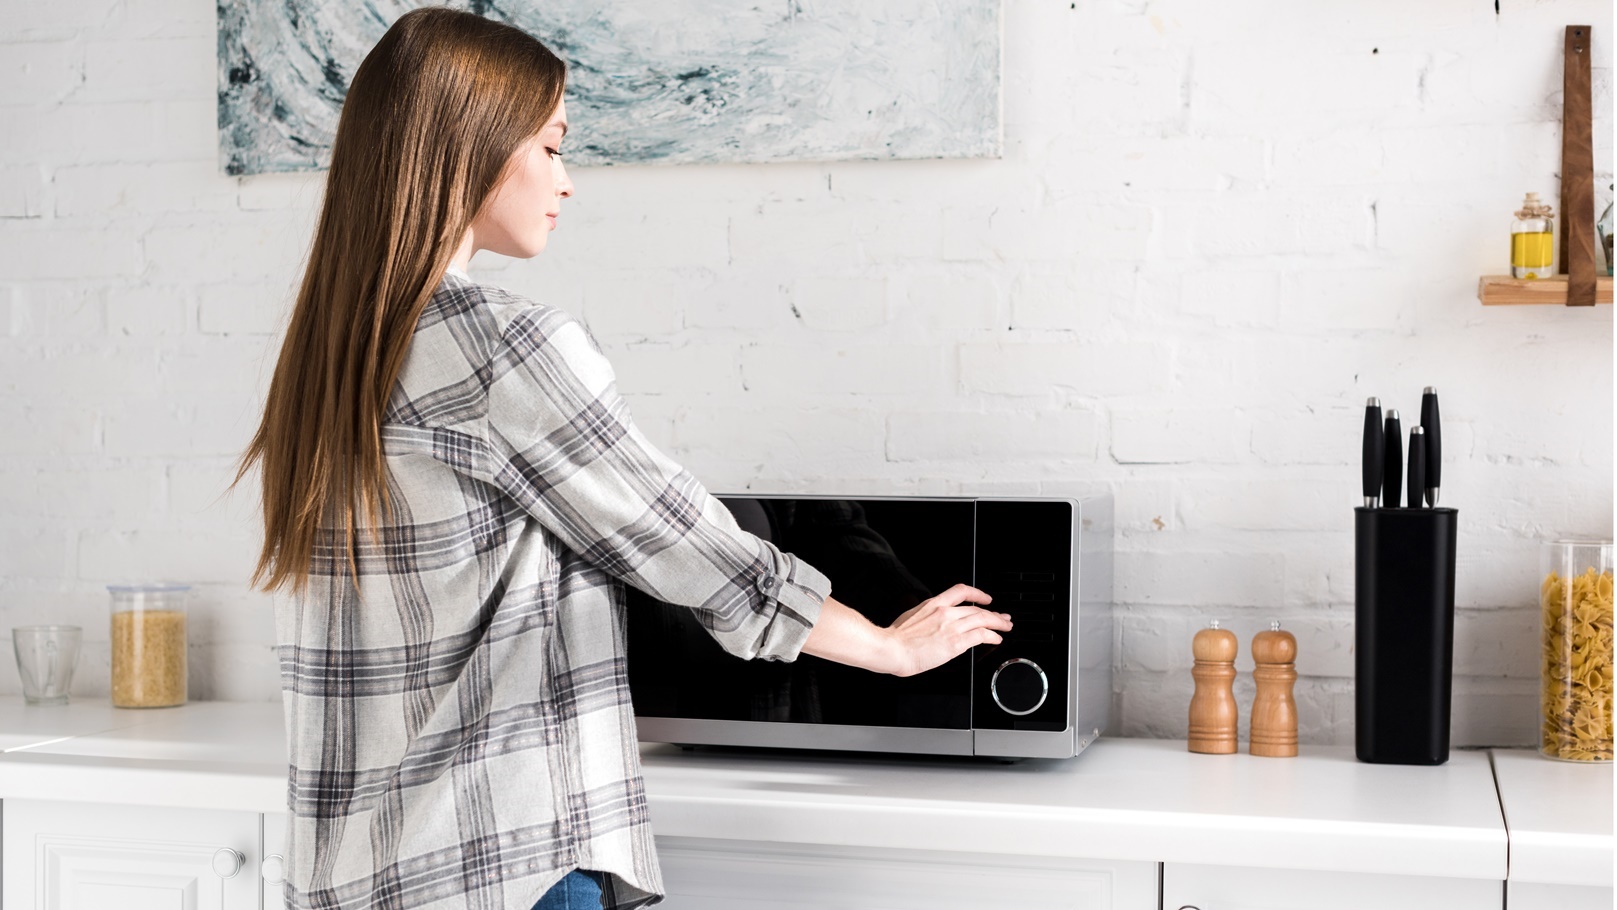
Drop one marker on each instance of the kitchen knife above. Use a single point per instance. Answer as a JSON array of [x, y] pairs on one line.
[[1374, 452], [1417, 466], [1392, 472], [1434, 444]]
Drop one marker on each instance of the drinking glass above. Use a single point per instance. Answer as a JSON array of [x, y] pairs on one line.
[[46, 656]]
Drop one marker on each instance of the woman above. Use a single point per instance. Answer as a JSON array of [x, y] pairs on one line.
[[454, 495]]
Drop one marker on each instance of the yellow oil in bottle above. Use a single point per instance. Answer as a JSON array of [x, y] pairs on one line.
[[1531, 254]]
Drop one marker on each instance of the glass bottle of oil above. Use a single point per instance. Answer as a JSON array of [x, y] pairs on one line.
[[1532, 240]]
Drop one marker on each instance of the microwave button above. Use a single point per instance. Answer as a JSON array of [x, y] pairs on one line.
[[1019, 686]]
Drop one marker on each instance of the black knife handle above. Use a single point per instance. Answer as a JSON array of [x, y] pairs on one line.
[[1417, 467], [1374, 449], [1434, 437], [1392, 474]]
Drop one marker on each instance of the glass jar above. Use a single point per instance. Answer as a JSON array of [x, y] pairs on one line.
[[1603, 227], [148, 645], [1532, 240], [1575, 691]]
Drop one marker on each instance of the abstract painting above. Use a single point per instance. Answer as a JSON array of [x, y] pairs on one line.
[[653, 81]]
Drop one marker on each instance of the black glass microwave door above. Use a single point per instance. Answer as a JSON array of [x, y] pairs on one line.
[[883, 557]]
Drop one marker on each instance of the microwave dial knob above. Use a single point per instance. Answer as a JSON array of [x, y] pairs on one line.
[[1019, 686]]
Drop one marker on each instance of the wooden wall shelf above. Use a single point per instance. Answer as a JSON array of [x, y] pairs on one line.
[[1502, 290]]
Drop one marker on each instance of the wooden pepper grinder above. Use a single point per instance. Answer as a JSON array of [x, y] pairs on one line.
[[1274, 711], [1213, 714]]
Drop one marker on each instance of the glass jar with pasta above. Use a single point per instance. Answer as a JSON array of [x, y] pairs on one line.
[[1575, 691]]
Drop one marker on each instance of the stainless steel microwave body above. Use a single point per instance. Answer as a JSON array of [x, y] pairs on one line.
[[1044, 692]]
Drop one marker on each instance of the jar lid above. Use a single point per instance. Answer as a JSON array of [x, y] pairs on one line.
[[152, 588]]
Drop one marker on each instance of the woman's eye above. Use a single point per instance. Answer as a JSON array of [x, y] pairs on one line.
[[554, 153]]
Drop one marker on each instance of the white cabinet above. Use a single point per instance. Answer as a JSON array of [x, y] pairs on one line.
[[272, 870], [1185, 885], [89, 856], [702, 874], [1539, 896]]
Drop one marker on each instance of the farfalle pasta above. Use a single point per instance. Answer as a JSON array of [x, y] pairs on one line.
[[1577, 685]]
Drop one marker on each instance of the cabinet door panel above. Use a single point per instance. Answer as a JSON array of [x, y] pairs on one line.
[[1246, 888], [1534, 896], [274, 846], [87, 856], [727, 875]]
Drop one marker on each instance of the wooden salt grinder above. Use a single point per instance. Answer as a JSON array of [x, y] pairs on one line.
[[1213, 714], [1274, 711]]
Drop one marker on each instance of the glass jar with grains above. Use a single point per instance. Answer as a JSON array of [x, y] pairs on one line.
[[1576, 688], [148, 645]]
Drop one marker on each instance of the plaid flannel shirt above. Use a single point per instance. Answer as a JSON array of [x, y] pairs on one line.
[[465, 738]]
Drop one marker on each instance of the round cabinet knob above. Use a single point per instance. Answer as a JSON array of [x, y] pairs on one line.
[[227, 862], [273, 868], [1019, 686]]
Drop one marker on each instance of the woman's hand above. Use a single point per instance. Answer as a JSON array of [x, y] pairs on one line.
[[938, 630], [943, 627]]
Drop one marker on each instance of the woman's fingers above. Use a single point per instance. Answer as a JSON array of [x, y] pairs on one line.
[[960, 594]]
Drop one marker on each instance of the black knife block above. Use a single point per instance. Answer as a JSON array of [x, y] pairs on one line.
[[1403, 608]]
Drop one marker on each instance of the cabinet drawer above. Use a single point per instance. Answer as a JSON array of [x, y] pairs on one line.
[[1245, 888], [705, 874]]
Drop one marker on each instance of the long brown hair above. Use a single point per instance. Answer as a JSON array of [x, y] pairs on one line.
[[433, 116]]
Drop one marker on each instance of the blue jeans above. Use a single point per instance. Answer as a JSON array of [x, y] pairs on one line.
[[580, 890]]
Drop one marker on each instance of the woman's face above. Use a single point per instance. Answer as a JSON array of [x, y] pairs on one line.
[[517, 220]]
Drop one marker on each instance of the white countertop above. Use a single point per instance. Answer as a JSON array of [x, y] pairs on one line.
[[1125, 799], [1559, 817]]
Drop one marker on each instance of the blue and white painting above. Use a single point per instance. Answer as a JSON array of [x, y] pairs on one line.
[[653, 81]]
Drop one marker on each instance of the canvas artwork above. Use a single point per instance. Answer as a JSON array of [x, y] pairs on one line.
[[653, 81]]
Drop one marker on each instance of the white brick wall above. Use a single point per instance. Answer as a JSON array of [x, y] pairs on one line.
[[1216, 229]]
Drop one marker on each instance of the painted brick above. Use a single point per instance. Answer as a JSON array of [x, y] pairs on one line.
[[1179, 436], [632, 306], [40, 72], [1203, 579], [213, 556], [693, 369], [58, 309], [1268, 503], [949, 303], [1231, 298], [1089, 369], [176, 186], [38, 253], [840, 304], [735, 448], [1084, 298], [954, 436], [142, 310], [116, 132], [239, 249], [797, 373], [1347, 300], [151, 69], [244, 309], [22, 192]]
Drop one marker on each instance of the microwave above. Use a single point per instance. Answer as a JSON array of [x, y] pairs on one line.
[[1044, 692]]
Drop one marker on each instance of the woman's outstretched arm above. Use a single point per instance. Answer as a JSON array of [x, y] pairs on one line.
[[931, 634]]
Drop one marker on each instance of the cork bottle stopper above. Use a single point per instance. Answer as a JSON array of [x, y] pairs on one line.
[[1214, 644], [1274, 646]]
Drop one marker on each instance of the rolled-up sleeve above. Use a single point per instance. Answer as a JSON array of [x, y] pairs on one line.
[[564, 446]]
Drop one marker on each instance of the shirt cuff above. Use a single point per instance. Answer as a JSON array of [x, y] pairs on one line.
[[799, 591]]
